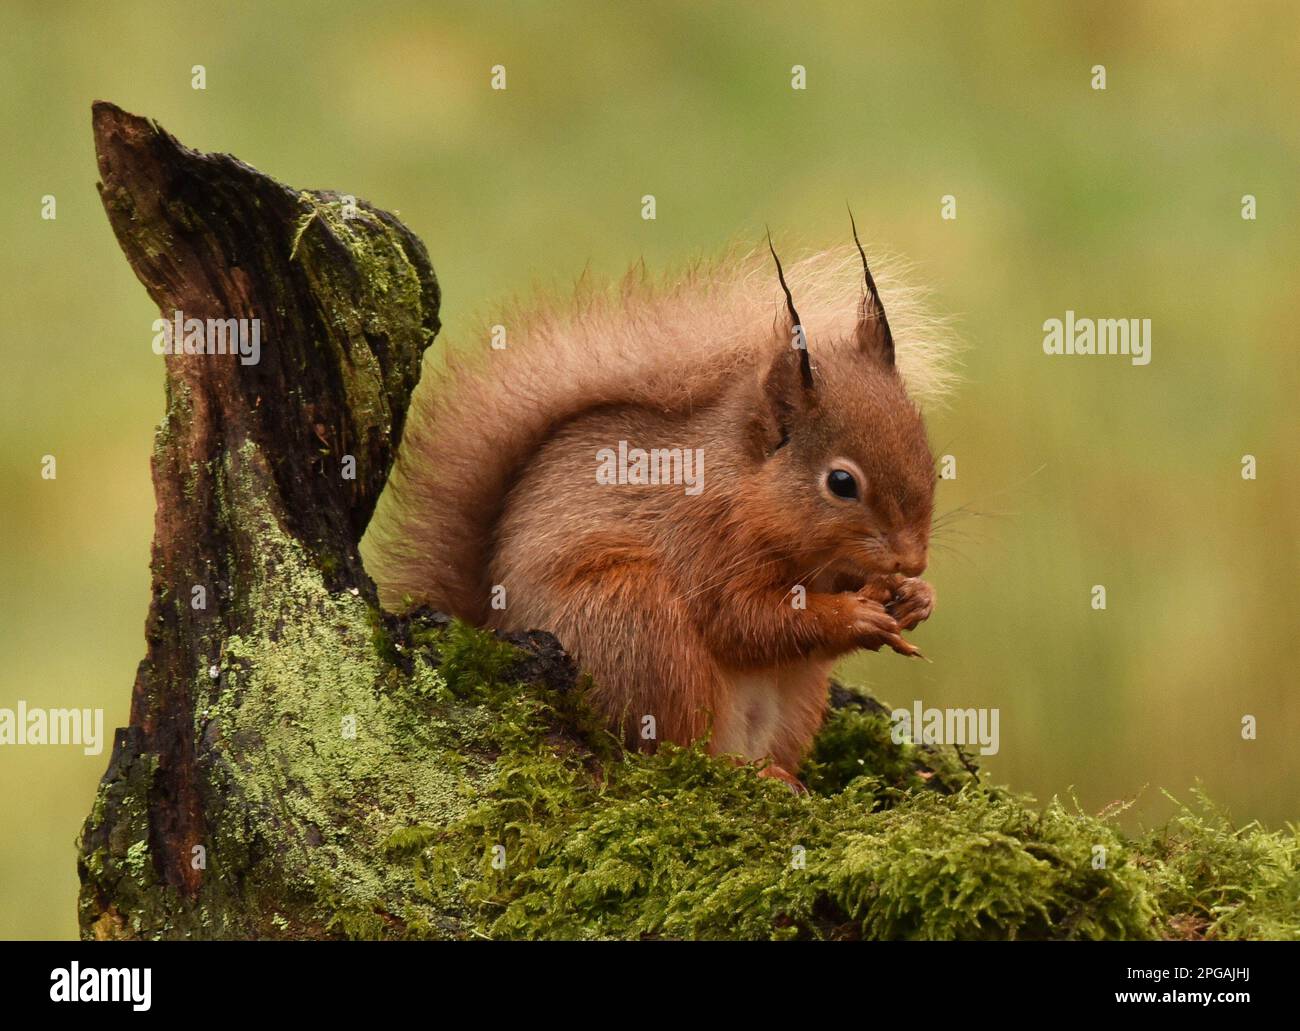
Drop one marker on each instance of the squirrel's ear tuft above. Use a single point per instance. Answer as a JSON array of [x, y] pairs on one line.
[[874, 336], [795, 330]]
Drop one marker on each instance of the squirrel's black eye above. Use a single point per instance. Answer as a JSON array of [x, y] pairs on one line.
[[842, 484]]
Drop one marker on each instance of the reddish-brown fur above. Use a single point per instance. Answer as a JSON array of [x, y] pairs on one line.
[[686, 609]]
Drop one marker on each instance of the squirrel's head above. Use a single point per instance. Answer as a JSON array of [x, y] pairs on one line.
[[842, 449]]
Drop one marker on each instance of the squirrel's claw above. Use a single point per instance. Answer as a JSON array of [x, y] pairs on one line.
[[904, 647]]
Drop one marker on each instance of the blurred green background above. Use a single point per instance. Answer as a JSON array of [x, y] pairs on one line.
[[1088, 471]]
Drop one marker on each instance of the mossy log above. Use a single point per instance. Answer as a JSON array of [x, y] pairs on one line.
[[301, 764]]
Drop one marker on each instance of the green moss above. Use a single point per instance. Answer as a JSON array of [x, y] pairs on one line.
[[469, 805], [381, 638], [893, 842], [1222, 881], [472, 662], [856, 741], [684, 845]]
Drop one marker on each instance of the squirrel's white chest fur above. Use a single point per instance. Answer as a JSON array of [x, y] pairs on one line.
[[757, 704], [754, 704]]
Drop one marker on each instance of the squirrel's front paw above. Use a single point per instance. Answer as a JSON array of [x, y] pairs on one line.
[[912, 603], [874, 627]]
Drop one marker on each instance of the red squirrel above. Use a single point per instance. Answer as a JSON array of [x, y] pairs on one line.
[[711, 609]]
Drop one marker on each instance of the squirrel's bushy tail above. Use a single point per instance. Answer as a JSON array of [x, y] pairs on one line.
[[477, 419]]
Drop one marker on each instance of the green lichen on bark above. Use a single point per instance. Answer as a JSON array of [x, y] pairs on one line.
[[313, 746], [376, 303], [114, 861]]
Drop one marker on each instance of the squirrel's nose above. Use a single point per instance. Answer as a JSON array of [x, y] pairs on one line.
[[910, 565]]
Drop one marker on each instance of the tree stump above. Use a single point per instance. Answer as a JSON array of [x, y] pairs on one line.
[[266, 475]]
